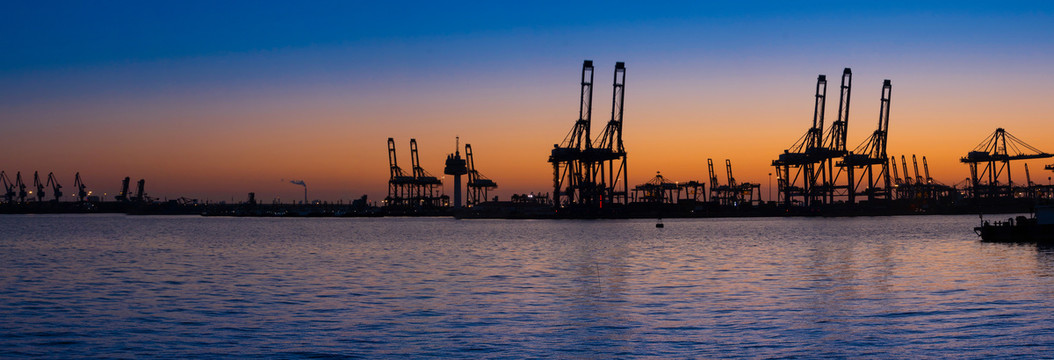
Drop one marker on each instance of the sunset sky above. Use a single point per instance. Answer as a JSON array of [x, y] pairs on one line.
[[212, 100]]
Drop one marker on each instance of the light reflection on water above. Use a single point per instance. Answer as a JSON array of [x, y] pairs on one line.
[[118, 286]]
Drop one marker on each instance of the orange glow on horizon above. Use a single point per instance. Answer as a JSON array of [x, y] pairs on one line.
[[193, 146]]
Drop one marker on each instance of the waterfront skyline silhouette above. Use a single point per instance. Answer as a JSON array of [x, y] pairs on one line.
[[208, 105]]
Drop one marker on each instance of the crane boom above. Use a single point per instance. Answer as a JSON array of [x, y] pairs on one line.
[[1028, 177], [123, 195], [21, 187], [8, 187], [840, 128], [570, 170], [818, 111], [713, 177], [38, 185], [415, 161], [807, 156], [611, 138], [926, 167], [728, 169], [478, 185], [907, 175], [883, 117], [56, 189], [896, 175], [140, 193], [585, 109], [393, 161], [579, 137], [915, 163], [79, 184], [472, 173]]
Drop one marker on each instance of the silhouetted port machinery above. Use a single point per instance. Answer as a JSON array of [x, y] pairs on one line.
[[810, 172], [38, 186], [82, 192], [419, 190], [658, 190], [569, 173], [732, 193], [1033, 190], [56, 189], [607, 157], [400, 185], [21, 187], [835, 144], [694, 191], [799, 169], [920, 190], [140, 191], [426, 186], [989, 162], [8, 188], [871, 159], [589, 174], [16, 191], [478, 185], [123, 195]]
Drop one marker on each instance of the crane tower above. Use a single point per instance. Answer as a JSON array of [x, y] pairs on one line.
[[800, 167], [569, 169], [871, 159], [607, 157], [478, 185]]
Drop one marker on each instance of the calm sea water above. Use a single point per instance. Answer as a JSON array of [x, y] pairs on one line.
[[113, 286]]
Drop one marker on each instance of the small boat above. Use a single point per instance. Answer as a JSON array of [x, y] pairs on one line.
[[659, 224], [1036, 229]]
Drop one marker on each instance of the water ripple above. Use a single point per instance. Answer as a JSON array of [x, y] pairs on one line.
[[191, 287]]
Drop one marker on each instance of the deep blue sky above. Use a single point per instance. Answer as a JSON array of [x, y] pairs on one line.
[[44, 35]]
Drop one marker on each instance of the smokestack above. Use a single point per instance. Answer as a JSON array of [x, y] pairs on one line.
[[301, 183]]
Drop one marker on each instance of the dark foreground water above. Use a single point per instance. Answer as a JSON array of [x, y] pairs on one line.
[[179, 287]]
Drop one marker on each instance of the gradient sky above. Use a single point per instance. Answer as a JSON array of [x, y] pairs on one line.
[[212, 100]]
